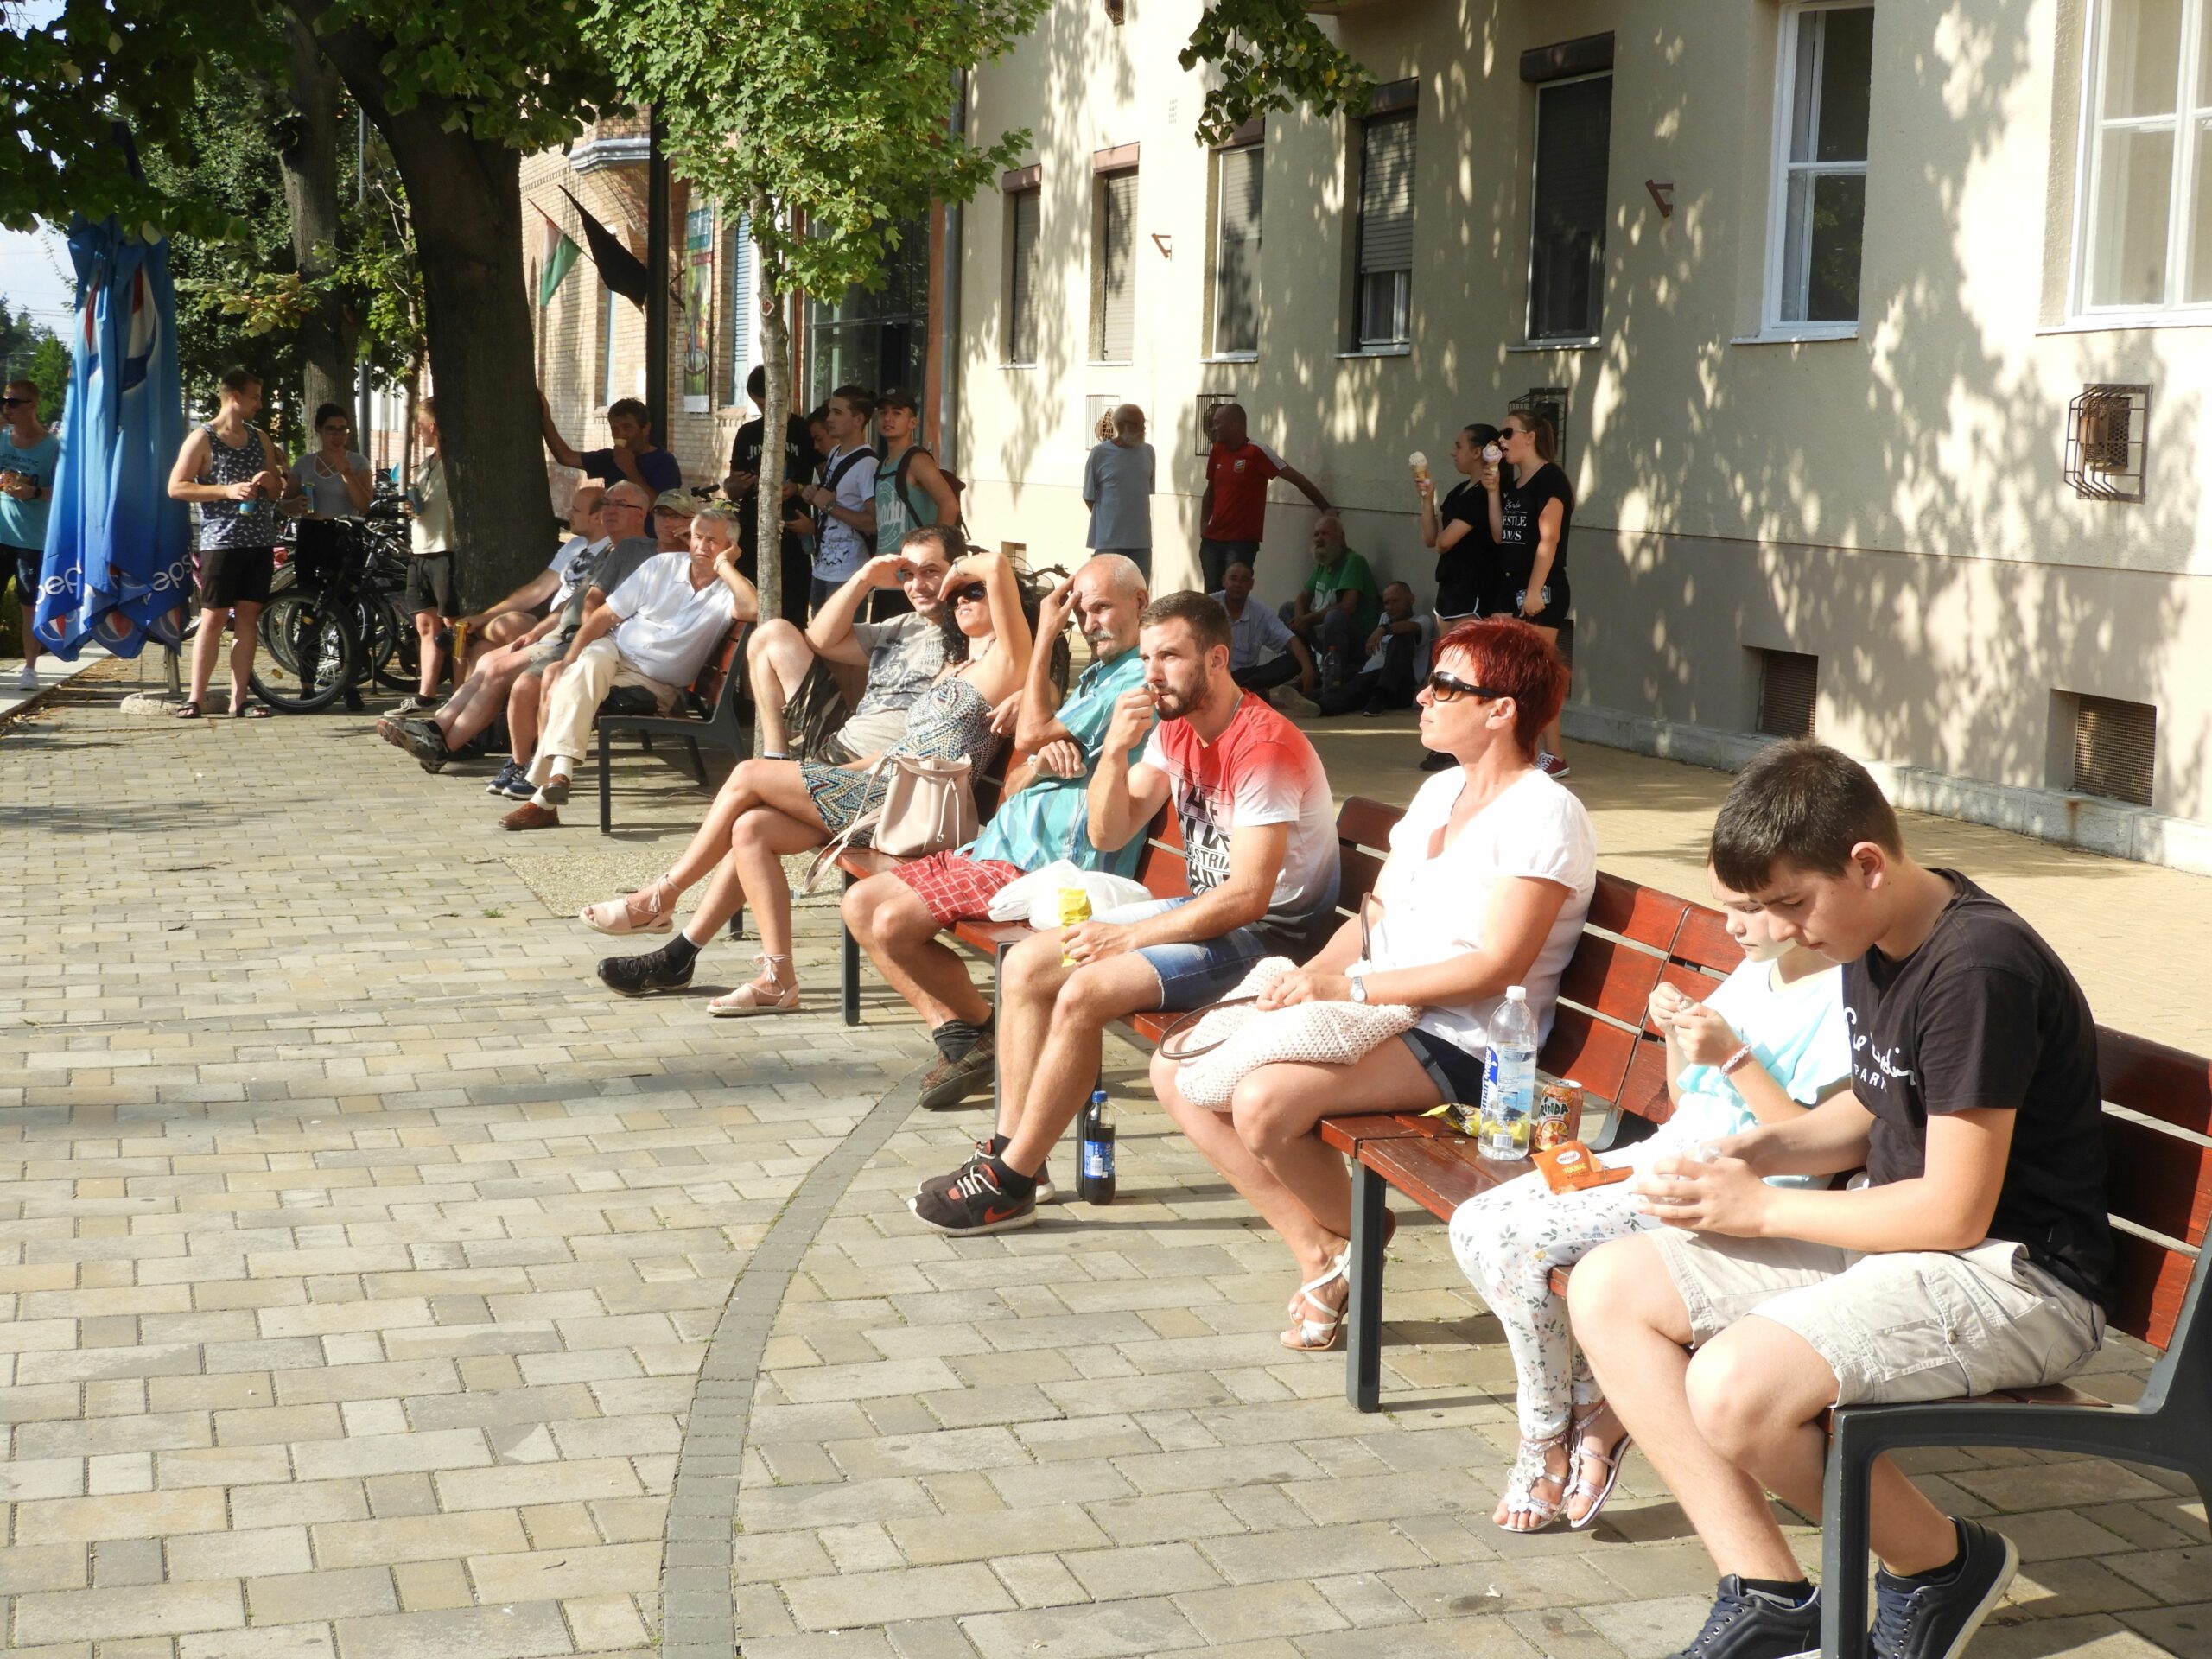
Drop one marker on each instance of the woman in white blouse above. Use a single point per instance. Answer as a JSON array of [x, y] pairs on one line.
[[1488, 881]]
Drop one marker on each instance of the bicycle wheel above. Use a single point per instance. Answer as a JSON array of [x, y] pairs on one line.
[[307, 654], [399, 663]]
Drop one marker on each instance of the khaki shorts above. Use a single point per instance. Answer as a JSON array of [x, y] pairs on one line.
[[1911, 1325]]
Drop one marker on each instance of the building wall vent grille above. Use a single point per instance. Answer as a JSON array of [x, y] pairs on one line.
[[2115, 748], [1790, 687]]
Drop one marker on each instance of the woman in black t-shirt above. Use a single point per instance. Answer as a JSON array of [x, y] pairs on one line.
[[1530, 517], [1468, 573]]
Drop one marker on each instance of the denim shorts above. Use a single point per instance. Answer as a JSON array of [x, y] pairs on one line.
[[1201, 971]]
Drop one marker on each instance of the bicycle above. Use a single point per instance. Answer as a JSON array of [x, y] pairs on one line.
[[331, 622]]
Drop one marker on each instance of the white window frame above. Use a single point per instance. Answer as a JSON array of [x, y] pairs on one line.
[[1530, 337], [1216, 351], [2195, 20], [1094, 326], [745, 308], [1772, 324], [1363, 343]]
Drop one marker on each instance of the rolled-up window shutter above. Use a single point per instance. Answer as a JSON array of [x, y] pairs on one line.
[[1021, 309], [740, 306], [1236, 267], [1114, 337], [1386, 193]]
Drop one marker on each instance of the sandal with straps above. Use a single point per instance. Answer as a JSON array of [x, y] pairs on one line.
[[657, 915], [1389, 1232], [751, 999], [1531, 1469], [1312, 1336], [1579, 1483]]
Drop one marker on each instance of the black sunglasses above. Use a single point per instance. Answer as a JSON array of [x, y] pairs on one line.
[[975, 590], [1444, 688], [9, 403]]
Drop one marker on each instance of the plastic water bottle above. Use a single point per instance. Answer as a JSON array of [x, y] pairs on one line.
[[1094, 1182], [1509, 1078]]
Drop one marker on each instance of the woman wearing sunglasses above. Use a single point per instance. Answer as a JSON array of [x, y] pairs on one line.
[[1487, 884], [793, 806]]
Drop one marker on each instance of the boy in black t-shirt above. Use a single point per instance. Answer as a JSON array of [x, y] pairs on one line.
[[1976, 1256]]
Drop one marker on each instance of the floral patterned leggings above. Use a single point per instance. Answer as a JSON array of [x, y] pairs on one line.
[[1508, 1242]]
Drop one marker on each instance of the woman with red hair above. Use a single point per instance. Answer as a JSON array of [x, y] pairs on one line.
[[1488, 881]]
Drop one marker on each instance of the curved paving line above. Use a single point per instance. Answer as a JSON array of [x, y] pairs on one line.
[[698, 1555]]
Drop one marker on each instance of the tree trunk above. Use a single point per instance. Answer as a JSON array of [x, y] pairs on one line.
[[308, 150], [465, 199], [775, 406]]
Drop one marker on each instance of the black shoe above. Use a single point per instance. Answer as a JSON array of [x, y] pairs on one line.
[[643, 975], [1915, 1620], [944, 1183], [949, 1082], [427, 744], [1437, 761], [1746, 1625], [974, 1204]]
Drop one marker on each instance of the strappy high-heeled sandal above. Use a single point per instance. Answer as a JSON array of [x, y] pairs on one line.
[[1580, 1483], [1389, 1232], [1531, 1469], [751, 999], [656, 915], [1313, 1336]]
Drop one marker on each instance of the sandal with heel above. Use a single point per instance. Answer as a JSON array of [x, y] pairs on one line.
[[1579, 1482], [753, 998], [1313, 1336], [626, 915]]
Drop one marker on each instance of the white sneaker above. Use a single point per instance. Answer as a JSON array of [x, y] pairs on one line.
[[27, 678]]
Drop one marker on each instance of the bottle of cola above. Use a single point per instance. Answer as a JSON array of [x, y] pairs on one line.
[[1095, 1175]]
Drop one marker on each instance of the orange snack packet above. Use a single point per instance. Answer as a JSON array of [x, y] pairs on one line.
[[1571, 1166]]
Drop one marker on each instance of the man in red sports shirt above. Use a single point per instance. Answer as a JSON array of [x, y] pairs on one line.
[[1233, 512]]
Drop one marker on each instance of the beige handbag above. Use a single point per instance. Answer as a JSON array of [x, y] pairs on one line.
[[928, 806]]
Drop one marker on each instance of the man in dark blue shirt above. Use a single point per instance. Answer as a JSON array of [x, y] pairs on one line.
[[633, 457]]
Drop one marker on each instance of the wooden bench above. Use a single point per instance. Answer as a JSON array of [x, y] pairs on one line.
[[2158, 1120], [710, 711]]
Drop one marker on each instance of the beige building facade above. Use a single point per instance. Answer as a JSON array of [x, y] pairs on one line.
[[1879, 336]]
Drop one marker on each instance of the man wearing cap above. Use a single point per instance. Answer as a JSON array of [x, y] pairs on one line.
[[911, 489], [633, 455], [671, 520]]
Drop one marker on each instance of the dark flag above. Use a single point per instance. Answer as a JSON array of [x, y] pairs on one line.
[[619, 269]]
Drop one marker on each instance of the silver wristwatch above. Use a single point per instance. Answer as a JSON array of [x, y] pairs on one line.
[[1359, 988]]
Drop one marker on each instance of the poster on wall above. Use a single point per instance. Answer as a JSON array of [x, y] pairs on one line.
[[699, 312]]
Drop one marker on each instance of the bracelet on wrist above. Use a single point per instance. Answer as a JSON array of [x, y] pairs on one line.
[[1729, 1065]]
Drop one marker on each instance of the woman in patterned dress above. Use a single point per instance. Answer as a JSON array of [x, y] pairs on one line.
[[797, 806]]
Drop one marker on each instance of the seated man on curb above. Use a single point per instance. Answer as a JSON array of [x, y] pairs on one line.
[[654, 633], [896, 916], [888, 663], [501, 675], [1337, 607], [1976, 1256], [1263, 650], [1260, 839], [1397, 663]]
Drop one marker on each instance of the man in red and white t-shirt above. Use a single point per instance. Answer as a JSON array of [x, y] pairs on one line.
[[1233, 512], [1261, 841]]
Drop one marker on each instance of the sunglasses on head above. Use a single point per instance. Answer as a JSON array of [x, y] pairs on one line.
[[1446, 688], [975, 591]]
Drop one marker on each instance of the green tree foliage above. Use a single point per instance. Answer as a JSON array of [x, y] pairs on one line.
[[829, 122], [1270, 55], [31, 351]]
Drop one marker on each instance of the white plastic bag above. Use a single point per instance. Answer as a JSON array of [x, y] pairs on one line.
[[1035, 898]]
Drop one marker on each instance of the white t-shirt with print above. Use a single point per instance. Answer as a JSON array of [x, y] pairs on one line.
[[1435, 904]]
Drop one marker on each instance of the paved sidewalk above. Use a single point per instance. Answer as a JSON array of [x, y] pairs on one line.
[[360, 1260]]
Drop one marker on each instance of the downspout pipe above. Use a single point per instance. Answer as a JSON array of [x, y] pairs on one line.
[[947, 390]]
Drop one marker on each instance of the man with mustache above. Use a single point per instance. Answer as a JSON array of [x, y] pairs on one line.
[[1259, 834]]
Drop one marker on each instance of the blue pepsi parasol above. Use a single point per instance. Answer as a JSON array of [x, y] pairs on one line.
[[119, 560]]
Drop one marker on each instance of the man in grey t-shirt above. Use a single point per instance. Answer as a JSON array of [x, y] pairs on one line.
[[1118, 482], [880, 667]]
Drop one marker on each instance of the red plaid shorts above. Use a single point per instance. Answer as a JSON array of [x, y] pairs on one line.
[[957, 888]]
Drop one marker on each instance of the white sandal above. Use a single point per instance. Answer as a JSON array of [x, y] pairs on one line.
[[1310, 1336], [621, 916], [1531, 1468], [750, 999]]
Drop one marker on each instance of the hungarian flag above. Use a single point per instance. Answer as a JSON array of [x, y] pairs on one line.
[[618, 268], [557, 254]]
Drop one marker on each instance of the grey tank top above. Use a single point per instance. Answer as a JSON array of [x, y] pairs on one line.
[[236, 523]]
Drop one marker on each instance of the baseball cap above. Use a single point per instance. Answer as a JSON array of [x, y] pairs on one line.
[[897, 397], [676, 501]]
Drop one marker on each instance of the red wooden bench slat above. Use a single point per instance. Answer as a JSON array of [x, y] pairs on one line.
[[1704, 942], [1644, 914], [2156, 1081], [1364, 822], [2151, 1280], [709, 685], [2152, 1181], [1357, 870], [1438, 1174], [987, 937], [1596, 1055], [1645, 1090], [1691, 981], [1348, 1134], [1610, 978]]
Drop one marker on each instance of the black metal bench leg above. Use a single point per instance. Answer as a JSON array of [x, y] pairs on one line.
[[849, 983], [606, 784], [998, 1007], [698, 762], [1844, 1543], [1364, 1307]]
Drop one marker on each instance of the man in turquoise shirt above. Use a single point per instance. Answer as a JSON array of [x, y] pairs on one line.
[[1044, 817], [29, 456]]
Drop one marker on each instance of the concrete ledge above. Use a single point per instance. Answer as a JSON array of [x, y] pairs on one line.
[[2088, 821]]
